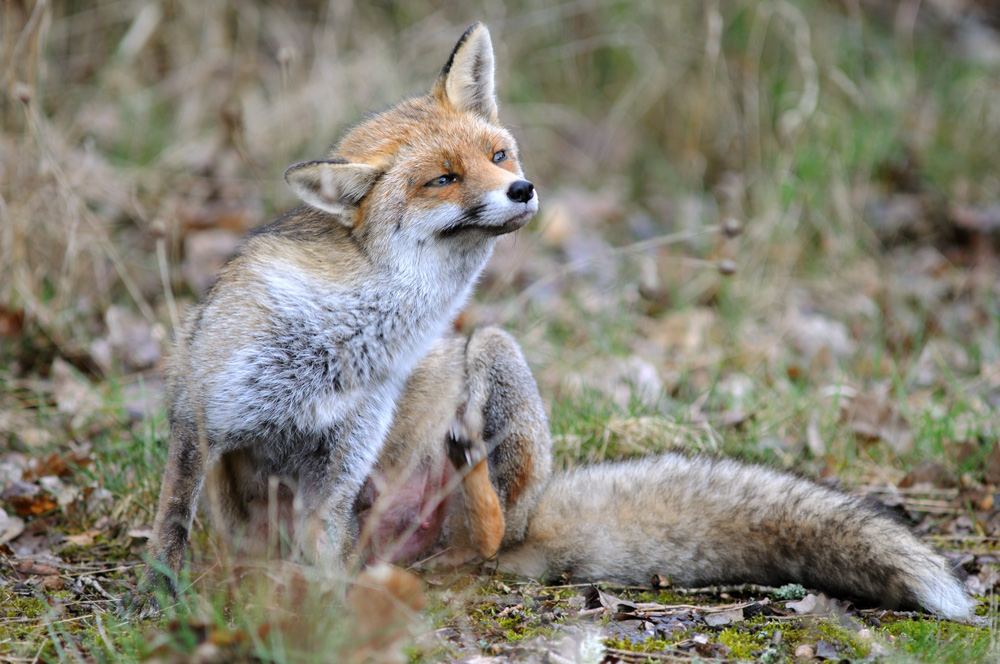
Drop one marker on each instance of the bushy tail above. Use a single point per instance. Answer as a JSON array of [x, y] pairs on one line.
[[701, 521]]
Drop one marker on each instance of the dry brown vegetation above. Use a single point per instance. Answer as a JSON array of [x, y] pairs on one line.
[[857, 338]]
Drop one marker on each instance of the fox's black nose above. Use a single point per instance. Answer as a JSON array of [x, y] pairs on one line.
[[521, 191]]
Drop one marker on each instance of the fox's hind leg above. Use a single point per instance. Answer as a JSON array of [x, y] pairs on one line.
[[484, 517], [501, 405]]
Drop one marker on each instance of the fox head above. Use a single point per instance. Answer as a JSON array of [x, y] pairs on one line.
[[430, 168]]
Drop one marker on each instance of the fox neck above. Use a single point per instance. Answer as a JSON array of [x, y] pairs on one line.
[[384, 318], [431, 277]]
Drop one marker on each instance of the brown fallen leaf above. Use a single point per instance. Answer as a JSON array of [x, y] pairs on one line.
[[58, 465], [929, 472], [992, 463], [874, 417], [82, 539], [53, 583], [385, 603], [28, 499], [35, 569]]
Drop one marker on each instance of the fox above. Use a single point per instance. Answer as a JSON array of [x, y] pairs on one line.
[[284, 378], [466, 476]]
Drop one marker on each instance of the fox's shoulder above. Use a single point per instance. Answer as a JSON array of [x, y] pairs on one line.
[[304, 243]]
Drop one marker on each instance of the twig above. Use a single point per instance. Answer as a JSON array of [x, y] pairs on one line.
[[718, 590], [661, 240], [92, 582], [33, 20]]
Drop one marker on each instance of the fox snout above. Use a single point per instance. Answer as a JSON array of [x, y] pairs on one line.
[[521, 191]]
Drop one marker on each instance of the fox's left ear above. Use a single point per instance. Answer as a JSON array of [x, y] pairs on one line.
[[466, 80], [332, 185]]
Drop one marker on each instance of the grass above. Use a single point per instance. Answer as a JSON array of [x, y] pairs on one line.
[[846, 139]]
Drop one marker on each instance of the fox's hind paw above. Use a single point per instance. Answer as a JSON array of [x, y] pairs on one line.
[[465, 446]]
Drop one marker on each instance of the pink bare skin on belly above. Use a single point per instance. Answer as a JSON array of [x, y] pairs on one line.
[[403, 524]]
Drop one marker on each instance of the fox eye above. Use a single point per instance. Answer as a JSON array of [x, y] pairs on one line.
[[441, 180], [499, 155]]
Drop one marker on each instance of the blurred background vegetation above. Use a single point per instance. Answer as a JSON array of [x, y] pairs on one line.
[[767, 227], [855, 142]]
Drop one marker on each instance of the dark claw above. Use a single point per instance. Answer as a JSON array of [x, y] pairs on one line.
[[459, 448]]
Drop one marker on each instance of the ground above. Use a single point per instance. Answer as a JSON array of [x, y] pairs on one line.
[[769, 230]]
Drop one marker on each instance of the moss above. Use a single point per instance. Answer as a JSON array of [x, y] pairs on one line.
[[742, 642], [789, 591], [848, 643], [664, 597], [945, 642], [648, 645]]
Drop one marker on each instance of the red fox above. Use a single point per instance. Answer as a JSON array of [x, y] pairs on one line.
[[465, 475], [284, 377], [315, 382]]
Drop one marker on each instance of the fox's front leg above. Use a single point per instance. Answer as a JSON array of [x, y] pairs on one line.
[[182, 482]]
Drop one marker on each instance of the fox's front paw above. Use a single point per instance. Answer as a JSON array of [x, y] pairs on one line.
[[465, 446], [139, 605], [143, 603]]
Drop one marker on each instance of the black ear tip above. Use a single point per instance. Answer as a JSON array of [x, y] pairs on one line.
[[461, 40], [469, 30]]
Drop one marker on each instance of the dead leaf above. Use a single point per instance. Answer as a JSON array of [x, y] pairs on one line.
[[58, 465], [10, 527], [133, 337], [82, 539], [805, 651], [11, 322], [873, 417], [35, 569], [385, 601], [75, 396], [28, 499], [727, 617], [814, 440], [929, 472], [204, 254], [805, 606], [12, 468], [826, 650], [97, 498], [596, 598], [818, 337], [984, 582], [992, 463], [53, 583], [142, 532], [34, 437], [65, 494]]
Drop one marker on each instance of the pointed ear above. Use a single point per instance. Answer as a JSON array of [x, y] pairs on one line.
[[466, 80], [332, 185]]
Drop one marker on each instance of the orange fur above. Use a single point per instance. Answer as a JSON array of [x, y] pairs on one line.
[[485, 516]]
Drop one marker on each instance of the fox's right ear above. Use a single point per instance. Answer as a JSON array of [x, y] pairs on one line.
[[332, 185]]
